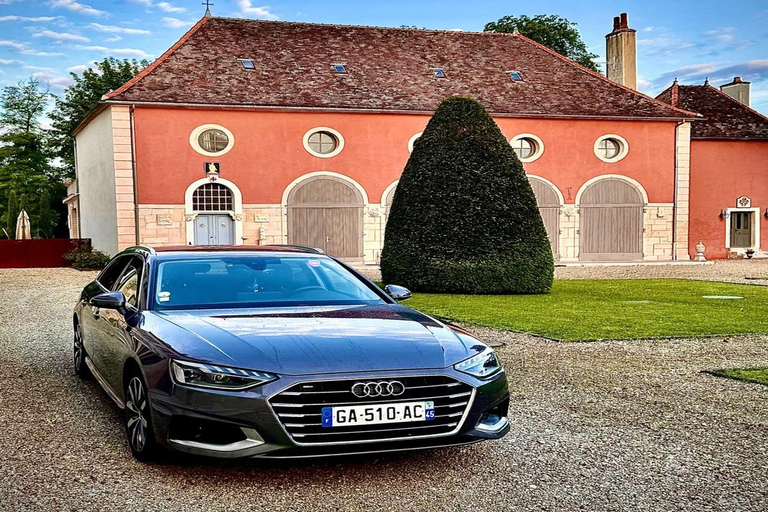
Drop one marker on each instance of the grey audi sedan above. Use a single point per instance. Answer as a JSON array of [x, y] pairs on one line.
[[278, 351]]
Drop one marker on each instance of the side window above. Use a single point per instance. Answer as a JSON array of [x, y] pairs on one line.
[[129, 281], [109, 275]]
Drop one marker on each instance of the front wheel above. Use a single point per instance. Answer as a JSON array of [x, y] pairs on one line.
[[81, 369], [138, 422]]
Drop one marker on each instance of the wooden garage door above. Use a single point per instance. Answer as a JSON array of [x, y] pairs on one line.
[[327, 213], [549, 207], [611, 222]]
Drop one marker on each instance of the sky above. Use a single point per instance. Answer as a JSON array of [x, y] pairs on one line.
[[690, 40]]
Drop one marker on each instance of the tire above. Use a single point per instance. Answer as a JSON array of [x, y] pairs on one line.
[[81, 369], [138, 420]]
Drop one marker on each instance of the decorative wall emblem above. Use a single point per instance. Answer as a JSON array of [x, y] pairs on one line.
[[212, 168], [164, 220], [374, 212], [744, 202], [189, 217], [569, 211]]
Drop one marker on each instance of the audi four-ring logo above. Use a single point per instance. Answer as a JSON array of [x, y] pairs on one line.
[[373, 389]]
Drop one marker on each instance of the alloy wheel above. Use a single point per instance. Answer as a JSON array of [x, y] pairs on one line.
[[136, 414], [79, 354]]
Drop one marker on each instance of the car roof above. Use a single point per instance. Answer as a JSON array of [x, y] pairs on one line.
[[181, 250]]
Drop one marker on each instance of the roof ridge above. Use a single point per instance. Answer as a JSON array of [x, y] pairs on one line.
[[734, 100], [144, 72], [528, 40], [341, 25]]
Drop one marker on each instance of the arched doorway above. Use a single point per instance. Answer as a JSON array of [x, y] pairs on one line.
[[213, 211], [611, 221], [326, 212], [549, 202], [214, 205]]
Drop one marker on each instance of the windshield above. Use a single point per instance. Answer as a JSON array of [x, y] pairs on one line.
[[257, 281]]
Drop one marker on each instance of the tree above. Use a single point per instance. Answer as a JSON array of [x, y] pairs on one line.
[[25, 170], [464, 217], [81, 98], [23, 104], [552, 31]]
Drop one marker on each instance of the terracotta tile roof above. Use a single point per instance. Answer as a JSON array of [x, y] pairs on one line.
[[724, 117], [388, 69]]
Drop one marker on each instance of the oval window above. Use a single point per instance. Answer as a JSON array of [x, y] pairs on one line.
[[528, 147], [323, 142], [213, 141], [611, 148]]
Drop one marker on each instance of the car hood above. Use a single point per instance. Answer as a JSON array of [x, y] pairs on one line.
[[296, 341]]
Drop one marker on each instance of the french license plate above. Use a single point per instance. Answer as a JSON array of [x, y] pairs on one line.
[[374, 414]]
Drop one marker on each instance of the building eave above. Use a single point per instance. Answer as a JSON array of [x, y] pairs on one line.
[[283, 108]]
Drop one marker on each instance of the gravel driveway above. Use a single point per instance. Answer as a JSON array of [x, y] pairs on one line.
[[605, 426]]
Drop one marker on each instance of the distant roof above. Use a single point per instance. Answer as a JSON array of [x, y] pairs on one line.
[[386, 69], [724, 116]]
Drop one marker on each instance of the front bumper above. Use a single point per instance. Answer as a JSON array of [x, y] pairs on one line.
[[228, 424]]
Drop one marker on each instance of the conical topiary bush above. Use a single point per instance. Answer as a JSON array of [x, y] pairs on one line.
[[464, 218]]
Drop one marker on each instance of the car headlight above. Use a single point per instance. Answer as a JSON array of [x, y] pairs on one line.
[[217, 377], [482, 365]]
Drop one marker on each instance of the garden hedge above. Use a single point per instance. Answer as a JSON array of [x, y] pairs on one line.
[[464, 217]]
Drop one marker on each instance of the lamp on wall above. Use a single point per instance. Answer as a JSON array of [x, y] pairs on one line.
[[724, 213], [766, 213]]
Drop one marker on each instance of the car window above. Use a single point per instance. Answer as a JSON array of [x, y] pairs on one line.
[[256, 281], [111, 273], [129, 281]]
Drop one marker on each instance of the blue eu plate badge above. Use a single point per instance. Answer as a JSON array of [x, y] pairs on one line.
[[327, 416]]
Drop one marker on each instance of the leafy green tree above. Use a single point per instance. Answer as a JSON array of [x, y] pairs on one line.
[[11, 214], [464, 217], [23, 104], [554, 32], [81, 98], [25, 170]]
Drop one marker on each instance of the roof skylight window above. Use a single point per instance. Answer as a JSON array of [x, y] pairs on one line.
[[515, 76], [247, 63], [339, 68], [439, 73]]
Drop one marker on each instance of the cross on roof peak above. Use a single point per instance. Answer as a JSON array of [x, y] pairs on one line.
[[208, 5]]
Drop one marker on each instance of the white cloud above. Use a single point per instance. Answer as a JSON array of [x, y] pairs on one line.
[[112, 29], [53, 80], [72, 5], [247, 9], [10, 62], [61, 36], [113, 39], [163, 6], [78, 69], [13, 45], [29, 19], [166, 7], [130, 52], [177, 23], [118, 52], [26, 50]]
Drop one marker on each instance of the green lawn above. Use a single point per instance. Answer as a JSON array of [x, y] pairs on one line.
[[758, 375], [580, 310]]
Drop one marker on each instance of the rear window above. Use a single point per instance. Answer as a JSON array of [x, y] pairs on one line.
[[257, 281]]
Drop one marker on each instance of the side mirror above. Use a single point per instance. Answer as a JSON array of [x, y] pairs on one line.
[[398, 292], [111, 300]]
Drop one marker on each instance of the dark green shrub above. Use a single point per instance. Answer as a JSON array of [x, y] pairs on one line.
[[464, 218], [85, 257]]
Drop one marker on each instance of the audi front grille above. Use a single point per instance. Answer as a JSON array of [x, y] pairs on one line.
[[299, 409]]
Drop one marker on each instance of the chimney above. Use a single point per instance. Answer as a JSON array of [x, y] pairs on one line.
[[621, 53], [738, 90]]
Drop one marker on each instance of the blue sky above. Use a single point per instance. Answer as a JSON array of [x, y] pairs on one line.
[[686, 39]]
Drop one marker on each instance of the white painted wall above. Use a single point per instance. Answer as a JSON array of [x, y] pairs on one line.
[[96, 180]]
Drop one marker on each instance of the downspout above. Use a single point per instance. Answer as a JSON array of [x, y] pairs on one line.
[[135, 177], [674, 205]]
